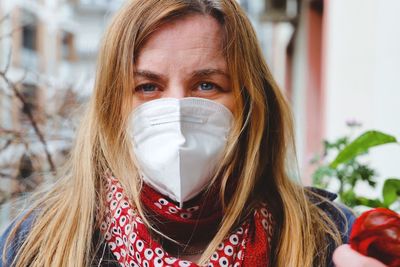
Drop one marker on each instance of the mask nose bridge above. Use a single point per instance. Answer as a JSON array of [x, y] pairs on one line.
[[181, 135], [183, 140]]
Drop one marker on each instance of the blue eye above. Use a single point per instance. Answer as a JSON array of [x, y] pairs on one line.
[[147, 88], [206, 86]]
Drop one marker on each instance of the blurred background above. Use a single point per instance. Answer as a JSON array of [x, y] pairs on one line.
[[337, 61]]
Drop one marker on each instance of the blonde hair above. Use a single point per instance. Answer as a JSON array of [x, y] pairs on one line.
[[67, 215]]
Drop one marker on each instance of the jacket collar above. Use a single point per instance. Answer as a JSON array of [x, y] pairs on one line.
[[323, 193]]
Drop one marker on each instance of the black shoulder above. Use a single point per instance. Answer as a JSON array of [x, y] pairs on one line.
[[341, 215], [11, 248]]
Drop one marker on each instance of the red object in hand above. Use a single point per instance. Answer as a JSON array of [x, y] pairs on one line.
[[376, 233]]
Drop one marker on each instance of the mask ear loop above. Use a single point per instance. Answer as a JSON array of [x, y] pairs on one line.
[[104, 241], [102, 254]]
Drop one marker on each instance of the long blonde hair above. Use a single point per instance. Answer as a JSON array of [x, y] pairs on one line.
[[67, 215]]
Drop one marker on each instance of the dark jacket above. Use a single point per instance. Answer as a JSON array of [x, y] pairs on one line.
[[104, 255]]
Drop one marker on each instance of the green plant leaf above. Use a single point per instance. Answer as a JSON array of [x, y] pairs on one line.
[[391, 191], [372, 203], [361, 145]]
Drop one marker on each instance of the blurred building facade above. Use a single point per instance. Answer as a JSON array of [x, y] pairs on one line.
[[337, 61], [50, 48], [56, 39], [361, 41], [91, 18], [37, 40]]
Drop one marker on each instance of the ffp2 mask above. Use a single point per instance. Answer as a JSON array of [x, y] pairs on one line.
[[178, 143]]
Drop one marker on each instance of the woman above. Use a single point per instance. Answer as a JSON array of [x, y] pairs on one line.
[[182, 156]]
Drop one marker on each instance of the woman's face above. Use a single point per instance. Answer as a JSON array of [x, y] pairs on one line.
[[184, 59]]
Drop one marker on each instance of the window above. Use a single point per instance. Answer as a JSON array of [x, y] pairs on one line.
[[29, 31], [277, 4], [29, 42], [67, 46], [281, 10]]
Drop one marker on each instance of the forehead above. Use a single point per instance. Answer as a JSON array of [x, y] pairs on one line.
[[191, 35], [192, 29]]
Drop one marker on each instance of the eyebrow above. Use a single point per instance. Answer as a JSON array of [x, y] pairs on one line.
[[196, 74], [150, 75], [209, 72]]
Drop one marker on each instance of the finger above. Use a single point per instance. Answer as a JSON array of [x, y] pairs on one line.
[[345, 256]]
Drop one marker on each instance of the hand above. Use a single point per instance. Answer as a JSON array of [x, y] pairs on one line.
[[345, 256]]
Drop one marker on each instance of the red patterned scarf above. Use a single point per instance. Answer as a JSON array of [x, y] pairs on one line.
[[131, 242]]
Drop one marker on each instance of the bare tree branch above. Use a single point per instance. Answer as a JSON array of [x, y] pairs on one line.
[[8, 62], [23, 77], [5, 175], [6, 145], [10, 34], [31, 119], [31, 137], [4, 18]]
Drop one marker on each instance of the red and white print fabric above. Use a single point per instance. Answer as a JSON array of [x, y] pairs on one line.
[[130, 242]]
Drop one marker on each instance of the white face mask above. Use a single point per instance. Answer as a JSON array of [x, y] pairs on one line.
[[179, 143]]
